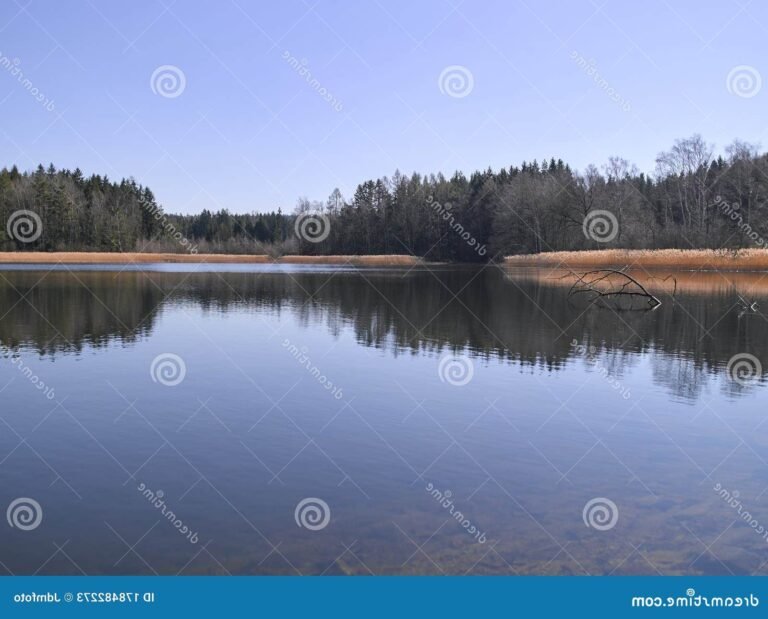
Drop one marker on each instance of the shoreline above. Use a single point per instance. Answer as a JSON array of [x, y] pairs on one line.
[[707, 260], [155, 258]]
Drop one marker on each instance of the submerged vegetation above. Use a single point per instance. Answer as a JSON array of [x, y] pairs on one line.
[[694, 199]]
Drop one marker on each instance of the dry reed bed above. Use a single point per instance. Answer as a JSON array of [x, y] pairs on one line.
[[746, 284], [144, 258], [668, 259]]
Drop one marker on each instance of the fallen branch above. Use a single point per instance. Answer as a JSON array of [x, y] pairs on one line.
[[602, 284]]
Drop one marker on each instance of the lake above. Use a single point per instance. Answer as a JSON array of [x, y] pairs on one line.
[[263, 419]]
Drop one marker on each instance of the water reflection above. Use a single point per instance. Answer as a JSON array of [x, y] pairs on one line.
[[488, 312]]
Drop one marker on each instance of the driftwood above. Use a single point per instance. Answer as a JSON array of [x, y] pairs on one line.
[[613, 289]]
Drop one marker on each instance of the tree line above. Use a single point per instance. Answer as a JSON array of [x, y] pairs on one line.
[[693, 199]]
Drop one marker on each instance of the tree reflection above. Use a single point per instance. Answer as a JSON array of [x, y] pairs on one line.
[[481, 311]]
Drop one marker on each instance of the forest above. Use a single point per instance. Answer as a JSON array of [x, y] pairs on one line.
[[693, 199]]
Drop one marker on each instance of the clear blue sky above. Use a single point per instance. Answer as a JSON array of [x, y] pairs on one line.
[[249, 132]]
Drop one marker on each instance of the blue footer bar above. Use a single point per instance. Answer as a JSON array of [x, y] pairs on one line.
[[396, 596]]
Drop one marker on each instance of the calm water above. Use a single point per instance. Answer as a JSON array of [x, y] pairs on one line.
[[365, 389]]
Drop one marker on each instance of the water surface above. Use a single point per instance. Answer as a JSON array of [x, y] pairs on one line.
[[366, 388]]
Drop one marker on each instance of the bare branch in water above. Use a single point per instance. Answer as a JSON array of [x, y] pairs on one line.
[[601, 285]]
